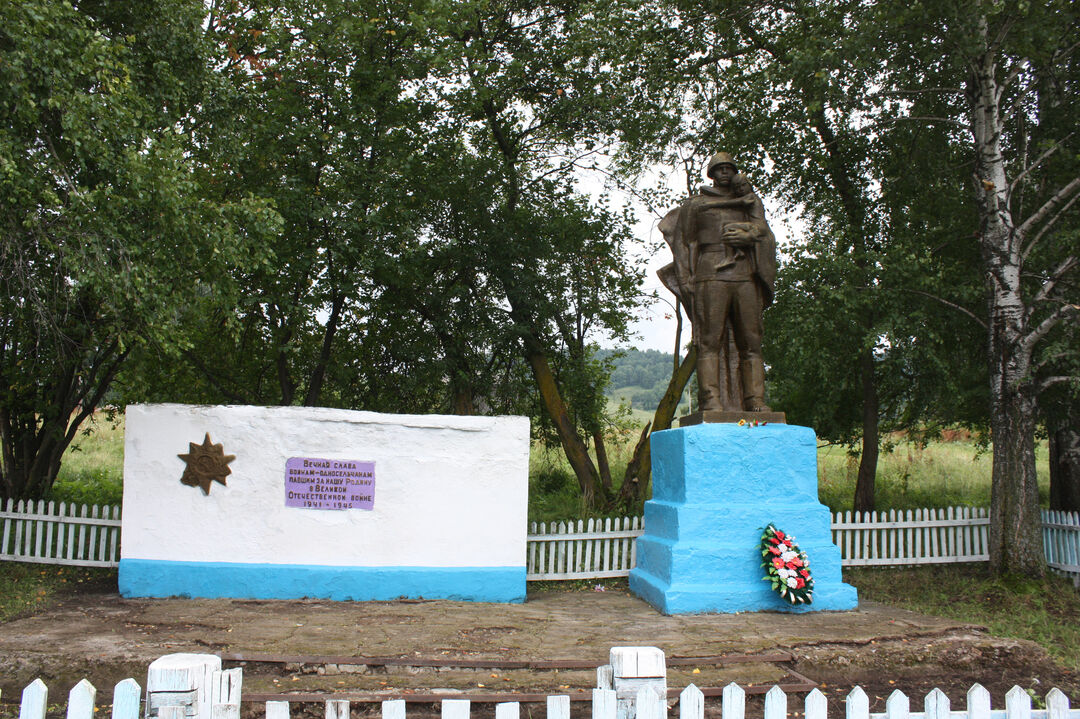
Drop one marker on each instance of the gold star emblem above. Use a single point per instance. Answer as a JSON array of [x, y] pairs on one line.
[[206, 463]]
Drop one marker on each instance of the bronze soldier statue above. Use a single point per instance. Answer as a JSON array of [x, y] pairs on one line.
[[724, 273]]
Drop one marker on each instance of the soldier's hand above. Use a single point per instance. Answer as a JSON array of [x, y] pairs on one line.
[[739, 236]]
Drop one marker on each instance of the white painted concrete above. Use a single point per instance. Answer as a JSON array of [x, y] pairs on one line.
[[449, 491]]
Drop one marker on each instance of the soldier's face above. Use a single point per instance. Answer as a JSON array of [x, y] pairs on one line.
[[723, 174]]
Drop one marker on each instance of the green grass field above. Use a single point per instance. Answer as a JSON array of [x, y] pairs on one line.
[[942, 474], [93, 468]]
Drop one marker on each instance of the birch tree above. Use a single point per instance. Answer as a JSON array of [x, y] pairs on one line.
[[1010, 71]]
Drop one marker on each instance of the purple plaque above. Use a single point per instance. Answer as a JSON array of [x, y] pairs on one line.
[[313, 483]]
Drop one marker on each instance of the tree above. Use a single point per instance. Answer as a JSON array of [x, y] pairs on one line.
[[523, 83], [1014, 67], [105, 231], [792, 91], [314, 117]]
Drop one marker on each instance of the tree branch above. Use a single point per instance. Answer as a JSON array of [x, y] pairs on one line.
[[1038, 161], [1032, 338], [1049, 224], [981, 322], [1049, 206], [928, 118], [1044, 292], [1057, 379]]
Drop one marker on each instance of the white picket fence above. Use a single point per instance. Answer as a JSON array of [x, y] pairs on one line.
[[224, 700], [51, 533], [586, 549], [1061, 542], [917, 536], [691, 705], [606, 547]]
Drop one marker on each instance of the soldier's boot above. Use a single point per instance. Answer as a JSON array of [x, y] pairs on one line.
[[708, 375], [752, 378]]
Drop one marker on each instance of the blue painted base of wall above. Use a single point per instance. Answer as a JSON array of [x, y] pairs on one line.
[[715, 487], [154, 578]]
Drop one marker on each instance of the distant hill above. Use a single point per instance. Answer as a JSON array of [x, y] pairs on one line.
[[640, 377]]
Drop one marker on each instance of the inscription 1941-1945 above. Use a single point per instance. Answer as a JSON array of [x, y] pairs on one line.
[[314, 483]]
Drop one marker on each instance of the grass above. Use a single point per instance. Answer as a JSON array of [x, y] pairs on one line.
[[553, 487], [942, 474], [30, 588], [1046, 611], [92, 471]]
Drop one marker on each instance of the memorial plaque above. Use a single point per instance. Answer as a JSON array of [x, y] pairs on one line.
[[316, 483]]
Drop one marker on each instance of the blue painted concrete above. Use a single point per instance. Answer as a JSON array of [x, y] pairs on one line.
[[154, 578], [715, 487]]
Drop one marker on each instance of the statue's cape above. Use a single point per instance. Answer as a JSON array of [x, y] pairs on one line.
[[678, 226]]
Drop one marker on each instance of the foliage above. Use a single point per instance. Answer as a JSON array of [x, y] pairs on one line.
[[641, 368], [105, 231]]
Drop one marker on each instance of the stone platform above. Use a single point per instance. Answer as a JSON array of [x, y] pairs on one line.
[[715, 488]]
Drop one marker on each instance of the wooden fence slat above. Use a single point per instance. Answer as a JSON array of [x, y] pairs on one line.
[[280, 710], [978, 702], [816, 706], [897, 706], [7, 528], [395, 709], [50, 529], [126, 696], [604, 703], [81, 547], [18, 549], [1057, 704], [558, 707], [588, 563], [503, 710], [857, 704], [81, 701], [936, 705], [455, 709], [1017, 704], [775, 704], [337, 709], [734, 702], [692, 703], [34, 699], [647, 703], [225, 689]]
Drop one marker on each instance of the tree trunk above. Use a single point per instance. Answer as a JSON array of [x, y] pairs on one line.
[[864, 485], [1065, 468], [576, 452], [318, 375], [1016, 545], [639, 469], [1015, 527]]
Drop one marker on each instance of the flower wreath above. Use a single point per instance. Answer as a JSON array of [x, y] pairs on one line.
[[786, 566]]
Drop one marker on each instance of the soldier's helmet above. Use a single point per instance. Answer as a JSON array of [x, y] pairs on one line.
[[720, 158]]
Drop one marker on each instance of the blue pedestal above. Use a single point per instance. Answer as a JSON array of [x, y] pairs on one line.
[[715, 487]]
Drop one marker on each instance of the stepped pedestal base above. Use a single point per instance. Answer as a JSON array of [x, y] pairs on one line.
[[715, 488]]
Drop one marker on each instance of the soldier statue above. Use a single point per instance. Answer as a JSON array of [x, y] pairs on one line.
[[723, 274]]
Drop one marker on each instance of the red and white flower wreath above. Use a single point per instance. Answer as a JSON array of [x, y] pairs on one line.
[[787, 567]]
